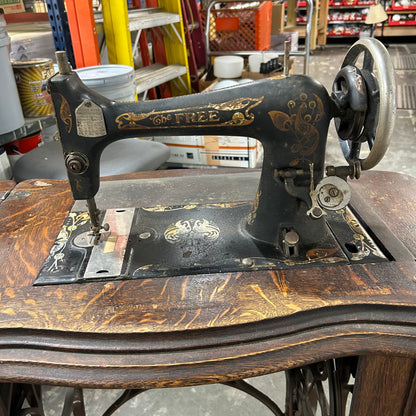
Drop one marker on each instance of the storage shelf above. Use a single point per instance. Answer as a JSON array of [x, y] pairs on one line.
[[387, 30], [343, 36], [338, 22], [347, 7], [396, 31], [408, 11]]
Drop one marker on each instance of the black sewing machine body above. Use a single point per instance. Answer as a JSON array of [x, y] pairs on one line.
[[285, 225]]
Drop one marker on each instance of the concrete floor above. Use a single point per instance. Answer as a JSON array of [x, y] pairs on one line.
[[218, 400]]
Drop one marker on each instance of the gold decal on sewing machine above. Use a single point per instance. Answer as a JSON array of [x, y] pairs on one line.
[[65, 114], [231, 113], [192, 231], [197, 117], [318, 255], [301, 119], [253, 213], [161, 208]]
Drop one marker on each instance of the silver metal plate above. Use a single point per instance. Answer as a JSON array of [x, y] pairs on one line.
[[90, 120], [107, 256]]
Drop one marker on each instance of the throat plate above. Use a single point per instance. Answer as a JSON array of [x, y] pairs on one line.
[[188, 239]]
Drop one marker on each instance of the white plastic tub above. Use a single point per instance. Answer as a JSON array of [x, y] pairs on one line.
[[115, 82]]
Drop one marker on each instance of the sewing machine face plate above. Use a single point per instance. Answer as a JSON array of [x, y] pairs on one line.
[[189, 239]]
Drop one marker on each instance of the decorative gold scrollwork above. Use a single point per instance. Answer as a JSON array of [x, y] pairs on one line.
[[65, 114], [303, 114], [235, 112], [192, 230]]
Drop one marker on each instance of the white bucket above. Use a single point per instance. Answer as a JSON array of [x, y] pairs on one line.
[[11, 115], [228, 66], [115, 82]]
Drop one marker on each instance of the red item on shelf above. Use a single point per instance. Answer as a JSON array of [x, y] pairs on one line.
[[240, 29], [398, 6], [409, 20]]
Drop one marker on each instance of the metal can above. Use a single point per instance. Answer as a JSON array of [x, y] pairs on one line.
[[17, 148], [31, 77]]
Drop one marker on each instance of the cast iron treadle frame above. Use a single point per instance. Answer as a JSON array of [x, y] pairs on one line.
[[17, 399], [192, 239], [306, 394]]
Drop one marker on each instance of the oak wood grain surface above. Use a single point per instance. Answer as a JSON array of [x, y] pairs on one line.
[[187, 330], [5, 188], [391, 393]]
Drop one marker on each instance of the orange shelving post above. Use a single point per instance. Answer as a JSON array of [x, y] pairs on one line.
[[83, 32]]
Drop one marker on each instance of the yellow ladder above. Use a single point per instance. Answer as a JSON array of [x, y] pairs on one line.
[[117, 34], [117, 28], [175, 48]]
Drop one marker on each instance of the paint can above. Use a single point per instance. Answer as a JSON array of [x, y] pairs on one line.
[[11, 116], [17, 148], [115, 82], [31, 77]]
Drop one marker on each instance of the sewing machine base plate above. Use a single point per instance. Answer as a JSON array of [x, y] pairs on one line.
[[192, 239]]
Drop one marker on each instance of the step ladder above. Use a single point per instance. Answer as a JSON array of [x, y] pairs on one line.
[[119, 23], [153, 75], [195, 40]]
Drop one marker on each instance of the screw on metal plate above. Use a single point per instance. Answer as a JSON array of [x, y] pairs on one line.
[[145, 235], [247, 262]]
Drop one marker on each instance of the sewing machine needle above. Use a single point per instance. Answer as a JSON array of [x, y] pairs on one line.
[[95, 220]]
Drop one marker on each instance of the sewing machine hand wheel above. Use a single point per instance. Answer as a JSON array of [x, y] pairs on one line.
[[366, 97]]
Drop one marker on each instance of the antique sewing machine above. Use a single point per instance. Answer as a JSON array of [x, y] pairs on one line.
[[299, 216]]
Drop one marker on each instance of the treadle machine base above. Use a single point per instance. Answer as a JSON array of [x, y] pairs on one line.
[[188, 239]]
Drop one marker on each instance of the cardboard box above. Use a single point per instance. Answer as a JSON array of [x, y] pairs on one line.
[[230, 151], [12, 6], [31, 41], [277, 42], [278, 18]]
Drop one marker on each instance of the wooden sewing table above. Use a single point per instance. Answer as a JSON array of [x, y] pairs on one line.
[[192, 330]]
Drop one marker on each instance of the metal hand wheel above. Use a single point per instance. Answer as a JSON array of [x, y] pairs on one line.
[[366, 101]]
